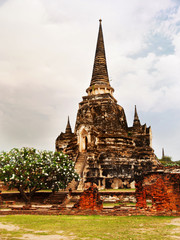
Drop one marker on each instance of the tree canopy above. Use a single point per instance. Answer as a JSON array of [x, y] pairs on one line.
[[30, 170], [167, 161]]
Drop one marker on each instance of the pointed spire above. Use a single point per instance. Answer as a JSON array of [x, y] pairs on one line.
[[135, 113], [136, 122], [68, 127], [100, 80], [100, 72], [162, 153]]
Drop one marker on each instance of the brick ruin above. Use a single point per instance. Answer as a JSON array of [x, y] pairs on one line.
[[157, 193], [90, 198], [161, 188], [105, 150]]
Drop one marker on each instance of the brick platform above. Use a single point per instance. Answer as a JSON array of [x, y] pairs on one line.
[[103, 212]]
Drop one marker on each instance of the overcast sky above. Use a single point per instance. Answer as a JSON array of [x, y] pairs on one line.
[[47, 50]]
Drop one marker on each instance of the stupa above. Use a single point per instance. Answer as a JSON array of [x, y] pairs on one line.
[[105, 150]]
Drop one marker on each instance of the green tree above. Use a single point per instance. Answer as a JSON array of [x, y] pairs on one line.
[[166, 160], [30, 170], [177, 163]]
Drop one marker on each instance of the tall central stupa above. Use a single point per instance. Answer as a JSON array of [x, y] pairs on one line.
[[105, 150]]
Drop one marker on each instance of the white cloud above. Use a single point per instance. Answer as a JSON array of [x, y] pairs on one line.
[[46, 58]]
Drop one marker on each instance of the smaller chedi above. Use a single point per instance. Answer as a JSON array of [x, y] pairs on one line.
[[105, 150]]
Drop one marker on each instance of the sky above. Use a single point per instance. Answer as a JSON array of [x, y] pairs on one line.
[[47, 51]]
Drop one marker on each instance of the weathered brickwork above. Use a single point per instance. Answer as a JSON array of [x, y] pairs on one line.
[[105, 150], [64, 139], [162, 188], [90, 199]]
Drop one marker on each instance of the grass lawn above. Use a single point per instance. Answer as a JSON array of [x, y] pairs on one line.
[[89, 227]]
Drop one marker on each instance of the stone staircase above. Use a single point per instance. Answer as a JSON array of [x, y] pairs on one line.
[[79, 167]]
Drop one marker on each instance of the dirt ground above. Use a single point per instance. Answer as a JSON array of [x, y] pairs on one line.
[[10, 227], [176, 222], [44, 237]]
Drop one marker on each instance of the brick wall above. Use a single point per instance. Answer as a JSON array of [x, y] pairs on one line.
[[90, 199], [163, 189]]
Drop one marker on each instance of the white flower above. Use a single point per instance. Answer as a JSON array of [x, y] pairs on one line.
[[12, 177]]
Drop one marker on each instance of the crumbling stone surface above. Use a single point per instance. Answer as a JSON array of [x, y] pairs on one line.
[[116, 211], [64, 139], [90, 198], [115, 153], [162, 188]]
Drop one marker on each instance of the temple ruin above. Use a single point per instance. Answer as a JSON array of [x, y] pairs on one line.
[[105, 150], [159, 190]]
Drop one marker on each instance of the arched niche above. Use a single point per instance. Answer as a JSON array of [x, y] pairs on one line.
[[83, 140]]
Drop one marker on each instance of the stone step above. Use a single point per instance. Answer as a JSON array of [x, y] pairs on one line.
[[78, 167]]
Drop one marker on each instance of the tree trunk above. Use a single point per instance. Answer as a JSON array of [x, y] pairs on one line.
[[25, 196]]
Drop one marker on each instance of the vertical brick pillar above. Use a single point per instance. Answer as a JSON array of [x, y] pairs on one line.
[[140, 195], [90, 199]]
